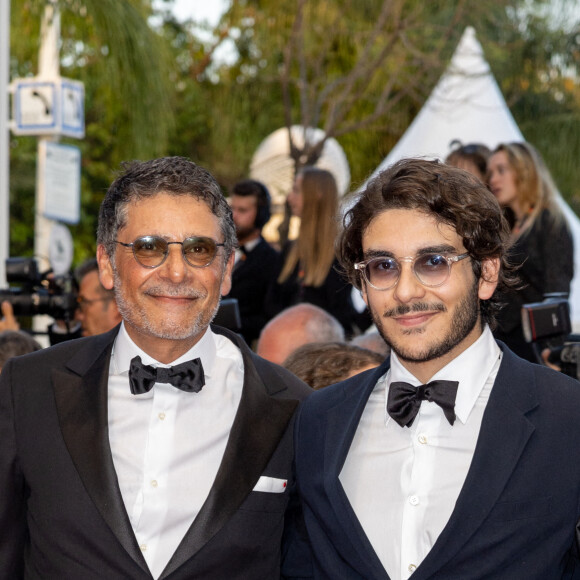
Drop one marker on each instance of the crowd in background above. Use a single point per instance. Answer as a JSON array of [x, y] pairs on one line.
[[296, 294], [173, 447]]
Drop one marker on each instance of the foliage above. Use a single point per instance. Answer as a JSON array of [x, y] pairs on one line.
[[155, 86], [110, 47]]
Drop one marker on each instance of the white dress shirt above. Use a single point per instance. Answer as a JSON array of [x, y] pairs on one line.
[[167, 444], [240, 255], [403, 482]]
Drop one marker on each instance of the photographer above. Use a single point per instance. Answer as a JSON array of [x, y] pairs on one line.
[[97, 310], [33, 293], [547, 328]]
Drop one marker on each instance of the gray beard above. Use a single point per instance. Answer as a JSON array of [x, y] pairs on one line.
[[134, 316]]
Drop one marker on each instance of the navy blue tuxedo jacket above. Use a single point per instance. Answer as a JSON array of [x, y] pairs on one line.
[[62, 516], [516, 515]]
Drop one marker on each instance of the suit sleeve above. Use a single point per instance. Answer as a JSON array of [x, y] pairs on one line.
[[13, 529]]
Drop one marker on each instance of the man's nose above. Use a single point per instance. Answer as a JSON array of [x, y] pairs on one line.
[[174, 266], [408, 286]]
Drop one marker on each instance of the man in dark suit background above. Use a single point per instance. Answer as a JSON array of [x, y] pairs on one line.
[[455, 459], [255, 260], [163, 448]]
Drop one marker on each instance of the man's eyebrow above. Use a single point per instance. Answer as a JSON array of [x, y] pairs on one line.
[[369, 254], [439, 249]]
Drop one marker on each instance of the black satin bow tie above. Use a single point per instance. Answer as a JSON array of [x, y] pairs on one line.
[[187, 376], [404, 400]]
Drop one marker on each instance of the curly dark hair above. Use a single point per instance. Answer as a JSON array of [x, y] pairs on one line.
[[171, 175], [454, 197]]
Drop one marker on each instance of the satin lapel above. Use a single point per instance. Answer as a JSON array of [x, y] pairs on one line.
[[505, 431], [81, 401], [342, 423], [259, 425]]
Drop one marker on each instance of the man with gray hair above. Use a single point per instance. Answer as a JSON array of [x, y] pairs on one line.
[[15, 343], [295, 326], [162, 448]]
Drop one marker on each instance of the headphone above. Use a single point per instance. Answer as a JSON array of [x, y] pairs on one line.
[[258, 189]]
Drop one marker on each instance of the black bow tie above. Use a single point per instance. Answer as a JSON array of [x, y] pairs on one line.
[[187, 376], [404, 400]]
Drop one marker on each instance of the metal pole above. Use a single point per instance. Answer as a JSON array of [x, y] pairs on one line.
[[48, 68], [4, 138]]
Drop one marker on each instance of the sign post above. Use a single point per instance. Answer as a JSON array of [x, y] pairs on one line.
[[50, 106]]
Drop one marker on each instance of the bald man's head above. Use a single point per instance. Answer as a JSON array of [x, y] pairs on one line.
[[295, 326]]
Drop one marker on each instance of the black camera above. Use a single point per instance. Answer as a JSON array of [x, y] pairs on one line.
[[567, 357], [37, 293], [547, 319], [547, 325]]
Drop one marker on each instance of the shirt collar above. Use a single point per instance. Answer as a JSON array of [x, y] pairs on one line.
[[471, 368], [124, 350], [249, 246]]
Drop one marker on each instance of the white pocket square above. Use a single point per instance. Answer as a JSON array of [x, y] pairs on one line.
[[271, 484]]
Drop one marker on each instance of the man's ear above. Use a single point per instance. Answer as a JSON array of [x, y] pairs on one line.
[[106, 275], [226, 284], [363, 291], [489, 278]]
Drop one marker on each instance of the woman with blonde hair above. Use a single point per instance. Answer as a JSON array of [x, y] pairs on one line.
[[541, 241], [307, 270]]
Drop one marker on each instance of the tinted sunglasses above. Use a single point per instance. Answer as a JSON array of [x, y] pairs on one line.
[[152, 251]]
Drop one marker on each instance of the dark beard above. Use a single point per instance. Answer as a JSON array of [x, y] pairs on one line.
[[466, 317], [244, 233]]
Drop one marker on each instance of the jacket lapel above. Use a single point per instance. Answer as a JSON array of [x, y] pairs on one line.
[[259, 425], [504, 434], [81, 401], [342, 423]]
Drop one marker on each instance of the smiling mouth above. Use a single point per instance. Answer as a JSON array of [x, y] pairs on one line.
[[414, 319], [174, 299], [173, 295]]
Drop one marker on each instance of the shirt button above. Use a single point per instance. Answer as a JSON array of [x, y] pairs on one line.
[[154, 483], [161, 416], [411, 567], [414, 500], [143, 547], [422, 438]]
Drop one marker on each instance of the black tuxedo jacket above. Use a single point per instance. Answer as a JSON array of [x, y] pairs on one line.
[[251, 278], [61, 512], [516, 515]]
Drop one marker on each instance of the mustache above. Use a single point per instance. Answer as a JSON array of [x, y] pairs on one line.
[[403, 309], [178, 290]]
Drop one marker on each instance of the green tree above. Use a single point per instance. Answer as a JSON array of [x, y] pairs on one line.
[[124, 64]]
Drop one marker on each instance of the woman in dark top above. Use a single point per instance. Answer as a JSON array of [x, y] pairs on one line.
[[541, 240], [308, 268]]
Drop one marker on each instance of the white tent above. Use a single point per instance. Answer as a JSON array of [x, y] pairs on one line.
[[467, 105]]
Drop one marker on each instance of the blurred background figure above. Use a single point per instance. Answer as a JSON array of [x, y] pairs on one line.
[[15, 343], [295, 326], [97, 310], [256, 260], [471, 157], [307, 268], [372, 340], [541, 241], [320, 364]]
